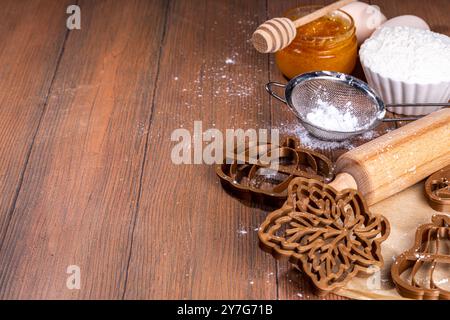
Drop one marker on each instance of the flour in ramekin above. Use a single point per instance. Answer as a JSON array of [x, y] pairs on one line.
[[408, 54]]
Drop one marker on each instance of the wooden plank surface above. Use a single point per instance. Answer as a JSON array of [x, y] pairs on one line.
[[192, 240], [86, 176], [28, 63], [80, 189]]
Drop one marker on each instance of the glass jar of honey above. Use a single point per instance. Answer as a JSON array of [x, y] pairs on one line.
[[326, 44]]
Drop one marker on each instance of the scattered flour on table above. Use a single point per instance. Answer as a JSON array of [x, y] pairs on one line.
[[227, 80], [242, 231], [309, 141], [230, 61], [229, 72]]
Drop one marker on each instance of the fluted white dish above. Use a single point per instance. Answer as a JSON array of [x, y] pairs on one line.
[[399, 92], [408, 65]]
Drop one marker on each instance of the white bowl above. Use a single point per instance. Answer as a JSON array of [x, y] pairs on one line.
[[399, 92], [408, 65]]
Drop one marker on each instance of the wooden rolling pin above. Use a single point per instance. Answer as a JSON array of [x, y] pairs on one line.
[[398, 159], [277, 33]]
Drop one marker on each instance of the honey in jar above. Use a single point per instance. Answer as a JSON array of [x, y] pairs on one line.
[[326, 44]]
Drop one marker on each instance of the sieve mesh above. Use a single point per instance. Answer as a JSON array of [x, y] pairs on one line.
[[345, 94]]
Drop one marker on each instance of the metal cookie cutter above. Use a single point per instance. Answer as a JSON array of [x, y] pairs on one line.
[[437, 190], [331, 236], [260, 180], [427, 264]]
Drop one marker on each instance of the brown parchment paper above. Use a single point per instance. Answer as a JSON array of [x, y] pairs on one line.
[[405, 211]]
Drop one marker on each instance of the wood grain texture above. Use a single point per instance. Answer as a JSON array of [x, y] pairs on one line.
[[80, 189], [28, 62], [86, 176], [192, 239]]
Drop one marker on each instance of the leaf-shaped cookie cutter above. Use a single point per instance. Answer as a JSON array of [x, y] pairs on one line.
[[437, 190], [331, 236], [428, 249], [242, 178]]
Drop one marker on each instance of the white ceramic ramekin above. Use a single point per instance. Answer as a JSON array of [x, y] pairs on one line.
[[398, 92]]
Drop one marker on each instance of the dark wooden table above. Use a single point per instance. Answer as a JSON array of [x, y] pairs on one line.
[[86, 118]]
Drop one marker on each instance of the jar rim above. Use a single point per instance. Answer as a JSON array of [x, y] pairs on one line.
[[293, 14]]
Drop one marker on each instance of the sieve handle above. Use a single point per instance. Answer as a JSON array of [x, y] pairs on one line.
[[402, 119], [272, 93], [445, 105]]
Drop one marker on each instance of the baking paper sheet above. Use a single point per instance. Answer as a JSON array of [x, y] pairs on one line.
[[405, 211]]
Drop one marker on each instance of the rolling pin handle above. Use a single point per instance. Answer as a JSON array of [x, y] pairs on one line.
[[344, 181]]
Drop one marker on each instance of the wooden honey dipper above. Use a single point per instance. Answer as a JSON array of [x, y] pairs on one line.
[[277, 33]]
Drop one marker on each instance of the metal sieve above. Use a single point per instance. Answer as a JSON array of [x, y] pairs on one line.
[[346, 93]]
